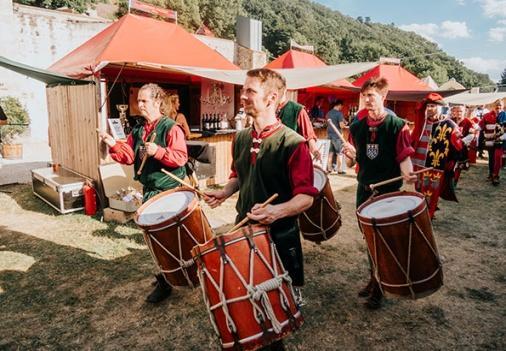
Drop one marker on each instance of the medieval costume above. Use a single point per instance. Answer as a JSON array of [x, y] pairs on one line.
[[276, 160], [438, 145], [493, 132], [294, 116]]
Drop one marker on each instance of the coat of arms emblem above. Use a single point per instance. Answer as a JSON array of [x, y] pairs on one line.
[[372, 151]]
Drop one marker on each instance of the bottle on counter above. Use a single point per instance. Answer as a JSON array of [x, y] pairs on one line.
[[239, 119]]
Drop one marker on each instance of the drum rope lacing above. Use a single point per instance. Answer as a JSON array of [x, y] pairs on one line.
[[320, 227], [184, 265], [409, 283], [255, 293]]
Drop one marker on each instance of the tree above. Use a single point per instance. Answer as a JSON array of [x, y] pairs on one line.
[[503, 78]]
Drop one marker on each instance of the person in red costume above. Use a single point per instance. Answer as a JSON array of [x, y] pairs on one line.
[[493, 133], [167, 151], [437, 142], [467, 131]]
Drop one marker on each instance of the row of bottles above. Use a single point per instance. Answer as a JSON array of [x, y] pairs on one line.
[[214, 121]]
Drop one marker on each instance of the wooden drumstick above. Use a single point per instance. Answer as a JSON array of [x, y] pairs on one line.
[[246, 219], [388, 181], [176, 178], [329, 121], [153, 136]]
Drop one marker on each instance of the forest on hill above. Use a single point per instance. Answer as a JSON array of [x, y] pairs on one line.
[[337, 38]]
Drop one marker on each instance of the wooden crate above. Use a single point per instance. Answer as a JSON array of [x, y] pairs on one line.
[[112, 215]]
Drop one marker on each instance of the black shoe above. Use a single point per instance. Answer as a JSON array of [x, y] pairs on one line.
[[366, 290], [161, 292], [374, 301], [275, 346], [495, 181]]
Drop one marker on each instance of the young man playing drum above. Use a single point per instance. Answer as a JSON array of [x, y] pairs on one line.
[[380, 144], [157, 144], [270, 158]]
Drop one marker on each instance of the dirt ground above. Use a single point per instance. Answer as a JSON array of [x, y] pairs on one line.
[[73, 282]]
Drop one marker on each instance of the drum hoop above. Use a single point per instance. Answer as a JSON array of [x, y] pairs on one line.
[[413, 282], [160, 195], [233, 241], [394, 222], [259, 335], [181, 219]]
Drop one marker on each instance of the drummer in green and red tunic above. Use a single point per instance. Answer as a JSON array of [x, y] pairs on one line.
[[381, 145], [167, 151], [270, 158]]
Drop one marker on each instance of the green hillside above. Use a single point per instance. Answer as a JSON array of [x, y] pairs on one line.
[[337, 38]]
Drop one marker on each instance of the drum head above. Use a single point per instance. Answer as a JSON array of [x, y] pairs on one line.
[[165, 208], [391, 206], [319, 179]]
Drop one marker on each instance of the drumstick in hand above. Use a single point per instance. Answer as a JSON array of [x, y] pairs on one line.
[[329, 121], [176, 178], [388, 181], [153, 136], [246, 219]]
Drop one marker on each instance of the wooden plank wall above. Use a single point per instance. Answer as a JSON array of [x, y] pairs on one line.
[[223, 145], [73, 121]]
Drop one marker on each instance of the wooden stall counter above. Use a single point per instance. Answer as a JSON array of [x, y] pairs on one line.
[[222, 142]]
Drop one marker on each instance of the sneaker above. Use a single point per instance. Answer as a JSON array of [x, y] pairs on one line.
[[161, 292], [366, 290], [299, 300]]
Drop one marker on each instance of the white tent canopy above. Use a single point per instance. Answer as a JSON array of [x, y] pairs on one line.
[[475, 99], [296, 78]]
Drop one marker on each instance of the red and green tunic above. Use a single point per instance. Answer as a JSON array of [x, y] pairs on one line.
[[171, 155], [380, 149], [276, 160], [294, 116]]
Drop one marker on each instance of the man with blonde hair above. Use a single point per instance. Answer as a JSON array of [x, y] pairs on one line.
[[270, 158]]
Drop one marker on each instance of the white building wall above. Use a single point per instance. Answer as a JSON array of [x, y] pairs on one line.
[[38, 37]]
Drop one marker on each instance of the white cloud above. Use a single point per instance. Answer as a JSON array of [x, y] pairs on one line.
[[461, 2], [494, 8], [446, 29], [454, 30], [497, 34], [427, 30], [492, 67], [503, 22]]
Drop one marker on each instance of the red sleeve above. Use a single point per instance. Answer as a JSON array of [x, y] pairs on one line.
[[300, 168], [403, 147], [176, 153], [304, 125], [123, 152], [456, 140]]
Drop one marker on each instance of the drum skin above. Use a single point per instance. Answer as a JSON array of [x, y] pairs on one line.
[[423, 274], [240, 252], [191, 219], [322, 220]]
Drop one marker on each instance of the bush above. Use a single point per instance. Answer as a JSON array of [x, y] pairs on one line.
[[17, 119]]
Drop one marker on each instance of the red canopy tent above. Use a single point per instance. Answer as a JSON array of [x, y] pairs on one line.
[[297, 59], [135, 39]]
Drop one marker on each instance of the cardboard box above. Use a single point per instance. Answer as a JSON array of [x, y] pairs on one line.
[[112, 215], [61, 189], [114, 177]]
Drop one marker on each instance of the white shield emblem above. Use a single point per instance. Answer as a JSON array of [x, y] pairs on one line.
[[372, 151]]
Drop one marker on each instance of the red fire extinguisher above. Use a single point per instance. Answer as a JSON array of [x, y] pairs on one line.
[[90, 199]]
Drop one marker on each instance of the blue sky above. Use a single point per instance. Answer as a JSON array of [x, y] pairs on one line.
[[473, 31]]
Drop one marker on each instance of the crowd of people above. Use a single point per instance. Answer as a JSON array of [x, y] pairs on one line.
[[275, 156]]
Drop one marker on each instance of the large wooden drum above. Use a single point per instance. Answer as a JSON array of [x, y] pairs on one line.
[[398, 232], [322, 220], [247, 291], [173, 223]]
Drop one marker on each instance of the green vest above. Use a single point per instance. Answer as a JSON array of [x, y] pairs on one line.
[[289, 113], [269, 174], [153, 179], [384, 165]]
